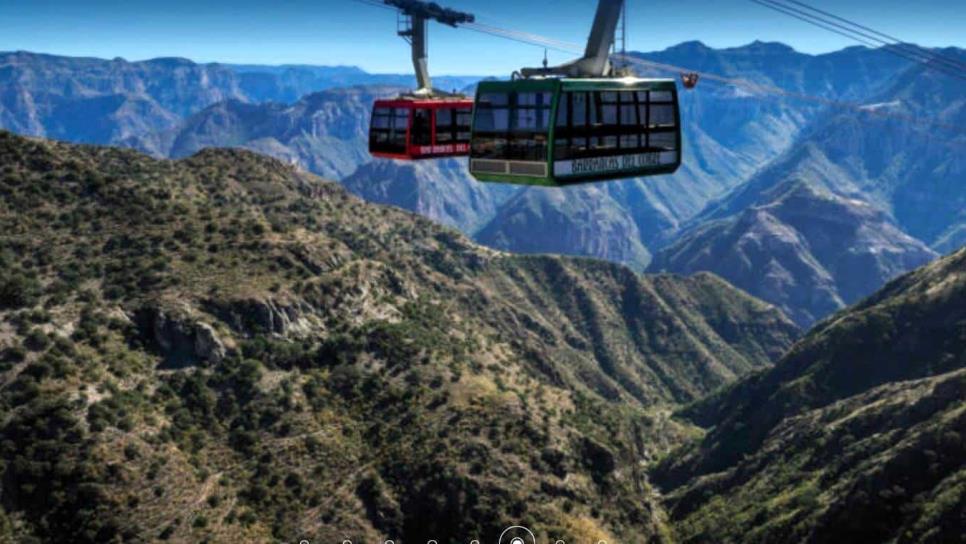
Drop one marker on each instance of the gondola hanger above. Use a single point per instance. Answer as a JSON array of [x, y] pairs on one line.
[[425, 122]]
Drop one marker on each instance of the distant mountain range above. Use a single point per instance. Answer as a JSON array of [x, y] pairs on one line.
[[862, 196], [103, 101], [871, 182]]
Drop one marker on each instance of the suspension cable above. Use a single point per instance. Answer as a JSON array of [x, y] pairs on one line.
[[951, 61], [753, 87], [912, 54]]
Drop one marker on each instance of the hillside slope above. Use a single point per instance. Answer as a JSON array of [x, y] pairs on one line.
[[801, 247], [855, 435], [878, 189], [225, 348]]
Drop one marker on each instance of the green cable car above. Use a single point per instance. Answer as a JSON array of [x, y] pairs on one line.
[[578, 122], [560, 131]]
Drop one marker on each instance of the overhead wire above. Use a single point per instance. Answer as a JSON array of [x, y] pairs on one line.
[[816, 18], [951, 61], [753, 87]]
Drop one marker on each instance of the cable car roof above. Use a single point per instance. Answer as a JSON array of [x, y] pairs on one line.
[[583, 83]]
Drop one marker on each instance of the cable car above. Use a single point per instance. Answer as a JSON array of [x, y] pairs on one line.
[[563, 131], [689, 79], [578, 122], [425, 123], [413, 128]]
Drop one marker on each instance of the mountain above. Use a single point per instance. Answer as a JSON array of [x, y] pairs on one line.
[[325, 132], [288, 83], [892, 168], [893, 150], [104, 101], [224, 347], [578, 221], [729, 134], [441, 190], [96, 100], [802, 248], [855, 435]]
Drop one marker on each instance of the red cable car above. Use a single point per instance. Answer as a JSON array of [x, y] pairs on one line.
[[690, 80], [420, 128], [425, 123]]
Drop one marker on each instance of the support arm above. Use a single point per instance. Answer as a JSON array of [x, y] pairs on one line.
[[420, 56], [596, 59], [420, 13]]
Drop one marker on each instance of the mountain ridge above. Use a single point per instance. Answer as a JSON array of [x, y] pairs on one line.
[[226, 347], [855, 433]]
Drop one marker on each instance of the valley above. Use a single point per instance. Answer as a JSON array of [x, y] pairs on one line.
[[221, 320], [742, 152]]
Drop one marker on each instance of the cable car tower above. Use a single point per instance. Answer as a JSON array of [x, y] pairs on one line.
[[411, 26], [578, 122], [596, 60], [426, 122]]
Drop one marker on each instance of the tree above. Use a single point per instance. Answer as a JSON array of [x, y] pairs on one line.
[[17, 290]]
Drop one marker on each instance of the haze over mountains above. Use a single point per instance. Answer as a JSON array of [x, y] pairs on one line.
[[807, 207]]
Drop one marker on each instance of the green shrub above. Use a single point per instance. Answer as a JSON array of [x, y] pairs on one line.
[[18, 290], [37, 340]]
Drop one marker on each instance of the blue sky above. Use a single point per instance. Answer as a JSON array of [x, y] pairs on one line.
[[347, 32]]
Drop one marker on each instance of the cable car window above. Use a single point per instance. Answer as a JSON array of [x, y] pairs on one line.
[[388, 130], [525, 119], [661, 96], [629, 141], [495, 99], [464, 119], [422, 131], [536, 99], [608, 114], [492, 120], [593, 109], [381, 118], [661, 115], [491, 123], [666, 141], [444, 117], [444, 125], [562, 108], [628, 110], [560, 148], [628, 115], [532, 111], [579, 114]]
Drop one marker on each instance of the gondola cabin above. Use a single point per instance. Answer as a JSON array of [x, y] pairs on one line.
[[413, 128], [558, 131]]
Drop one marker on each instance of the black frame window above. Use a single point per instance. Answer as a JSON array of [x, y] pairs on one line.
[[387, 132], [602, 123], [453, 125], [512, 125], [422, 131]]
